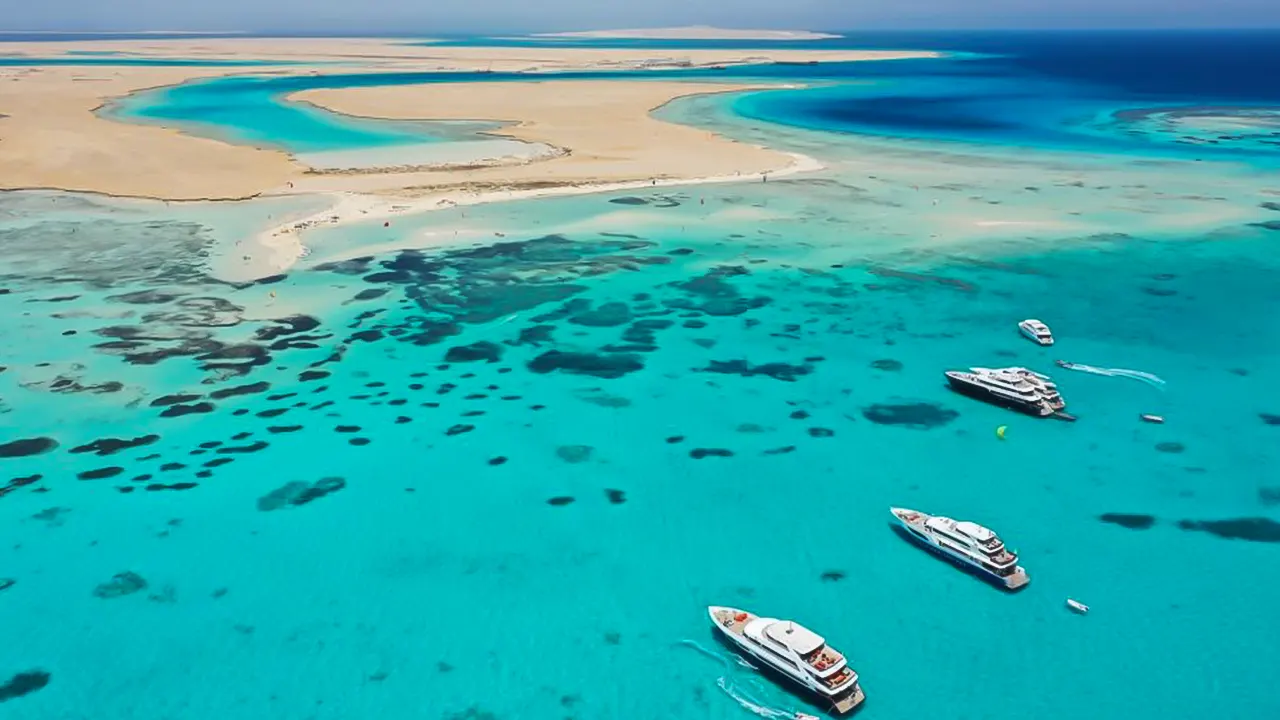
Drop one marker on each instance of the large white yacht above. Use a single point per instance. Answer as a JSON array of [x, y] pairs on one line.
[[1013, 387], [968, 544], [793, 652], [1036, 331]]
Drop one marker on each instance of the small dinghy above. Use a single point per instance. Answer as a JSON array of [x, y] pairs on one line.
[[1077, 607], [1156, 419]]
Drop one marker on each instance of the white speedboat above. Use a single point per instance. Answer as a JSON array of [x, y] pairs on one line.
[[1077, 607], [1036, 331], [969, 545], [794, 653]]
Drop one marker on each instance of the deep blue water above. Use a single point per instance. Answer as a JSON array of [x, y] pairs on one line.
[[1049, 89]]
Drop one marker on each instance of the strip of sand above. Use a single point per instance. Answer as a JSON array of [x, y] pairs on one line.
[[279, 248], [693, 32], [605, 129], [50, 136]]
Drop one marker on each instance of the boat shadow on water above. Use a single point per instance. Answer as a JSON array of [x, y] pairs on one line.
[[968, 569], [782, 681]]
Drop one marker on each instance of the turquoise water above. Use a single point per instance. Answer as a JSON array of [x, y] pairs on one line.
[[557, 446]]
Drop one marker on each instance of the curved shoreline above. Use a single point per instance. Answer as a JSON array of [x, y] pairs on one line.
[[284, 246]]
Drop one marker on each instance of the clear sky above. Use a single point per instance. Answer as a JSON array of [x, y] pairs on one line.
[[498, 16]]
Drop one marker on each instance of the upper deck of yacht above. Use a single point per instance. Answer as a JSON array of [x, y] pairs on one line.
[[967, 532]]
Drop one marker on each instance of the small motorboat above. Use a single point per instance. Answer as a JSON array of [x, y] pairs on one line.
[[1077, 607], [1156, 419], [806, 716]]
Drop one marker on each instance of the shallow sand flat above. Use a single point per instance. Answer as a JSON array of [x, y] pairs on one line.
[[693, 32], [50, 137], [605, 127]]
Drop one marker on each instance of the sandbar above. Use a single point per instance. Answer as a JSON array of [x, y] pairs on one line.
[[693, 32], [52, 138]]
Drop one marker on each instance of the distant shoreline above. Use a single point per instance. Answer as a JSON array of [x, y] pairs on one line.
[[695, 32]]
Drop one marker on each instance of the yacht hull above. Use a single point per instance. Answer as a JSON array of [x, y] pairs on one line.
[[977, 392], [1042, 342], [1012, 582], [842, 703]]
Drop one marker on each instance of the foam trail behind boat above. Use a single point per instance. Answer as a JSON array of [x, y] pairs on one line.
[[744, 699], [1139, 375]]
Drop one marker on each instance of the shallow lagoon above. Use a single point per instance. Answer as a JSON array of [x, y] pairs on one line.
[[541, 532]]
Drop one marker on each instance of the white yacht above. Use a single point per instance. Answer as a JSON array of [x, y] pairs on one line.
[[793, 652], [968, 544], [1017, 388], [1042, 383], [1036, 331]]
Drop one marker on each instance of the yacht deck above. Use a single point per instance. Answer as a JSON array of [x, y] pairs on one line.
[[734, 622], [848, 703], [1017, 580]]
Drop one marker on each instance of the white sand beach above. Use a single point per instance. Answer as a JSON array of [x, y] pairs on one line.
[[52, 138], [693, 32]]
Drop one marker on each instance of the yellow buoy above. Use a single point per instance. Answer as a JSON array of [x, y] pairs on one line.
[[1000, 431]]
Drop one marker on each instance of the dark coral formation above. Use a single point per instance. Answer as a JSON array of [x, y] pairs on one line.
[[100, 473], [833, 576], [1130, 521], [249, 389], [560, 500], [609, 367], [1258, 529], [178, 410], [1170, 447], [700, 453], [776, 370], [24, 683], [297, 493], [121, 584], [913, 415], [27, 447], [615, 497], [111, 446], [887, 364], [483, 350]]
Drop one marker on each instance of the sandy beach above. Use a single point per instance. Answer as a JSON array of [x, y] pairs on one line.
[[556, 137], [51, 137], [693, 32]]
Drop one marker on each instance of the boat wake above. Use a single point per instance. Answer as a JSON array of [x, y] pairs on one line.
[[741, 691], [1138, 375]]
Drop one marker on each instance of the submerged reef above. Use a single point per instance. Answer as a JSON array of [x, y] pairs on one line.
[[24, 683], [1257, 529], [121, 584], [1132, 522], [297, 493], [913, 415]]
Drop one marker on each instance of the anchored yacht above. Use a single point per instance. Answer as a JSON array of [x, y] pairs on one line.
[[794, 652], [1017, 388], [1036, 331], [967, 544]]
